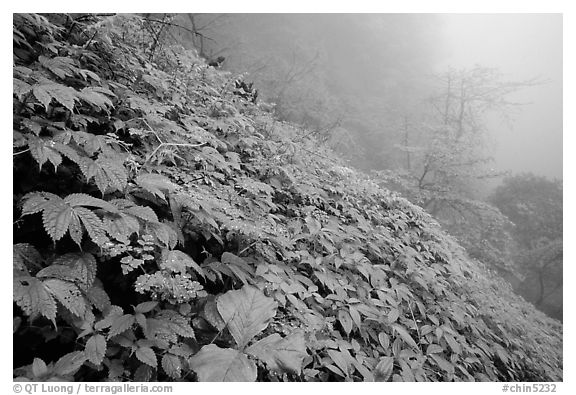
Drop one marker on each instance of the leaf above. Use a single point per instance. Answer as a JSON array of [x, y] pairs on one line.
[[121, 324], [81, 266], [442, 363], [405, 335], [60, 215], [64, 95], [345, 320], [42, 150], [384, 340], [99, 298], [20, 88], [33, 298], [383, 370], [145, 307], [246, 313], [393, 315], [178, 261], [355, 316], [340, 361], [434, 349], [25, 257], [68, 294], [147, 356], [95, 349], [95, 98], [69, 363], [39, 368], [213, 316], [108, 172], [215, 364], [155, 184], [283, 355], [172, 365]]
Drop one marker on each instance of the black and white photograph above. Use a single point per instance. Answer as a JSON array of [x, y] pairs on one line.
[[286, 197]]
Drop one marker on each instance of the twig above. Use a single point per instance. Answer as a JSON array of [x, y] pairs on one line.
[[245, 249], [415, 323], [21, 152]]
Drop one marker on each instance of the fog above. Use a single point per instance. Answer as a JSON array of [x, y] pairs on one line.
[[370, 72], [522, 46]]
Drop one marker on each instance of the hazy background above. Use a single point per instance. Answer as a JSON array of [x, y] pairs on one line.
[[359, 77], [522, 46]]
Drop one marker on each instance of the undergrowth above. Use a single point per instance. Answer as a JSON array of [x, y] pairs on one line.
[[169, 228]]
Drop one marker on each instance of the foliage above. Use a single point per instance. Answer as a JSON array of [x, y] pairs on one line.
[[183, 234], [534, 205]]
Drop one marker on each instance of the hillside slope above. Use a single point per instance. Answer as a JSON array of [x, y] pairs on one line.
[[170, 229]]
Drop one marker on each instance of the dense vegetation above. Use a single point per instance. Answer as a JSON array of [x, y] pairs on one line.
[[169, 228]]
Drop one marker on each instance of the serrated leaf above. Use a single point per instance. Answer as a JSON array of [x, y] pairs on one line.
[[215, 364], [68, 294], [95, 98], [25, 256], [121, 227], [246, 313], [144, 213], [172, 365], [82, 266], [42, 150], [81, 199], [156, 184], [178, 261], [33, 298], [109, 173], [405, 335], [143, 373], [121, 324], [95, 349], [93, 225], [147, 356], [64, 95], [35, 202], [345, 320], [69, 363], [56, 219], [383, 370], [99, 298], [283, 355]]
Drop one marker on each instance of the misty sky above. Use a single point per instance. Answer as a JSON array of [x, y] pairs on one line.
[[522, 46]]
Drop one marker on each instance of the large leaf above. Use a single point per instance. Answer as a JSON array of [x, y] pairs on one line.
[[246, 312], [213, 363], [283, 355]]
